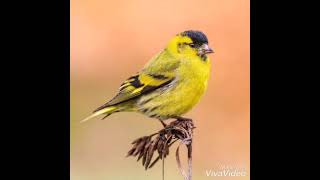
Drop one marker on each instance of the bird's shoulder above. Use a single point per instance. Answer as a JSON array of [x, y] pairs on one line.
[[162, 63]]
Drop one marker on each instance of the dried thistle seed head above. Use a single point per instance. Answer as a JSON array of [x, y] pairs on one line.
[[146, 146], [131, 152], [149, 155]]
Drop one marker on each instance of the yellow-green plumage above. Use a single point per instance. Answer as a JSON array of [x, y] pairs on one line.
[[170, 84]]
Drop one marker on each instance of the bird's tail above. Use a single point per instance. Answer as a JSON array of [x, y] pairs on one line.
[[106, 111]]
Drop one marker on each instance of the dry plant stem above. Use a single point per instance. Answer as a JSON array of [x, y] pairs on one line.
[[162, 168], [190, 160], [144, 147]]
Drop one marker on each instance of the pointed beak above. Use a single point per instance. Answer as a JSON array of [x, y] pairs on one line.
[[205, 49]]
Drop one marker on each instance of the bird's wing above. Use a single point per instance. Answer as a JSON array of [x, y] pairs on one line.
[[158, 72], [138, 85]]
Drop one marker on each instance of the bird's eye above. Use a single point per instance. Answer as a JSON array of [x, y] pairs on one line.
[[192, 45]]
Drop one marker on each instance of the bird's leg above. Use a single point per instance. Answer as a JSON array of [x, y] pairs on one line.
[[183, 119], [163, 124]]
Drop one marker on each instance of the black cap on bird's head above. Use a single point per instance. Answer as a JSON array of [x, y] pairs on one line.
[[197, 37], [199, 40]]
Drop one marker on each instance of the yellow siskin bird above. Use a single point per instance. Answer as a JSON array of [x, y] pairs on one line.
[[169, 85]]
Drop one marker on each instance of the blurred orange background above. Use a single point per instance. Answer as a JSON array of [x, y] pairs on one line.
[[111, 40]]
